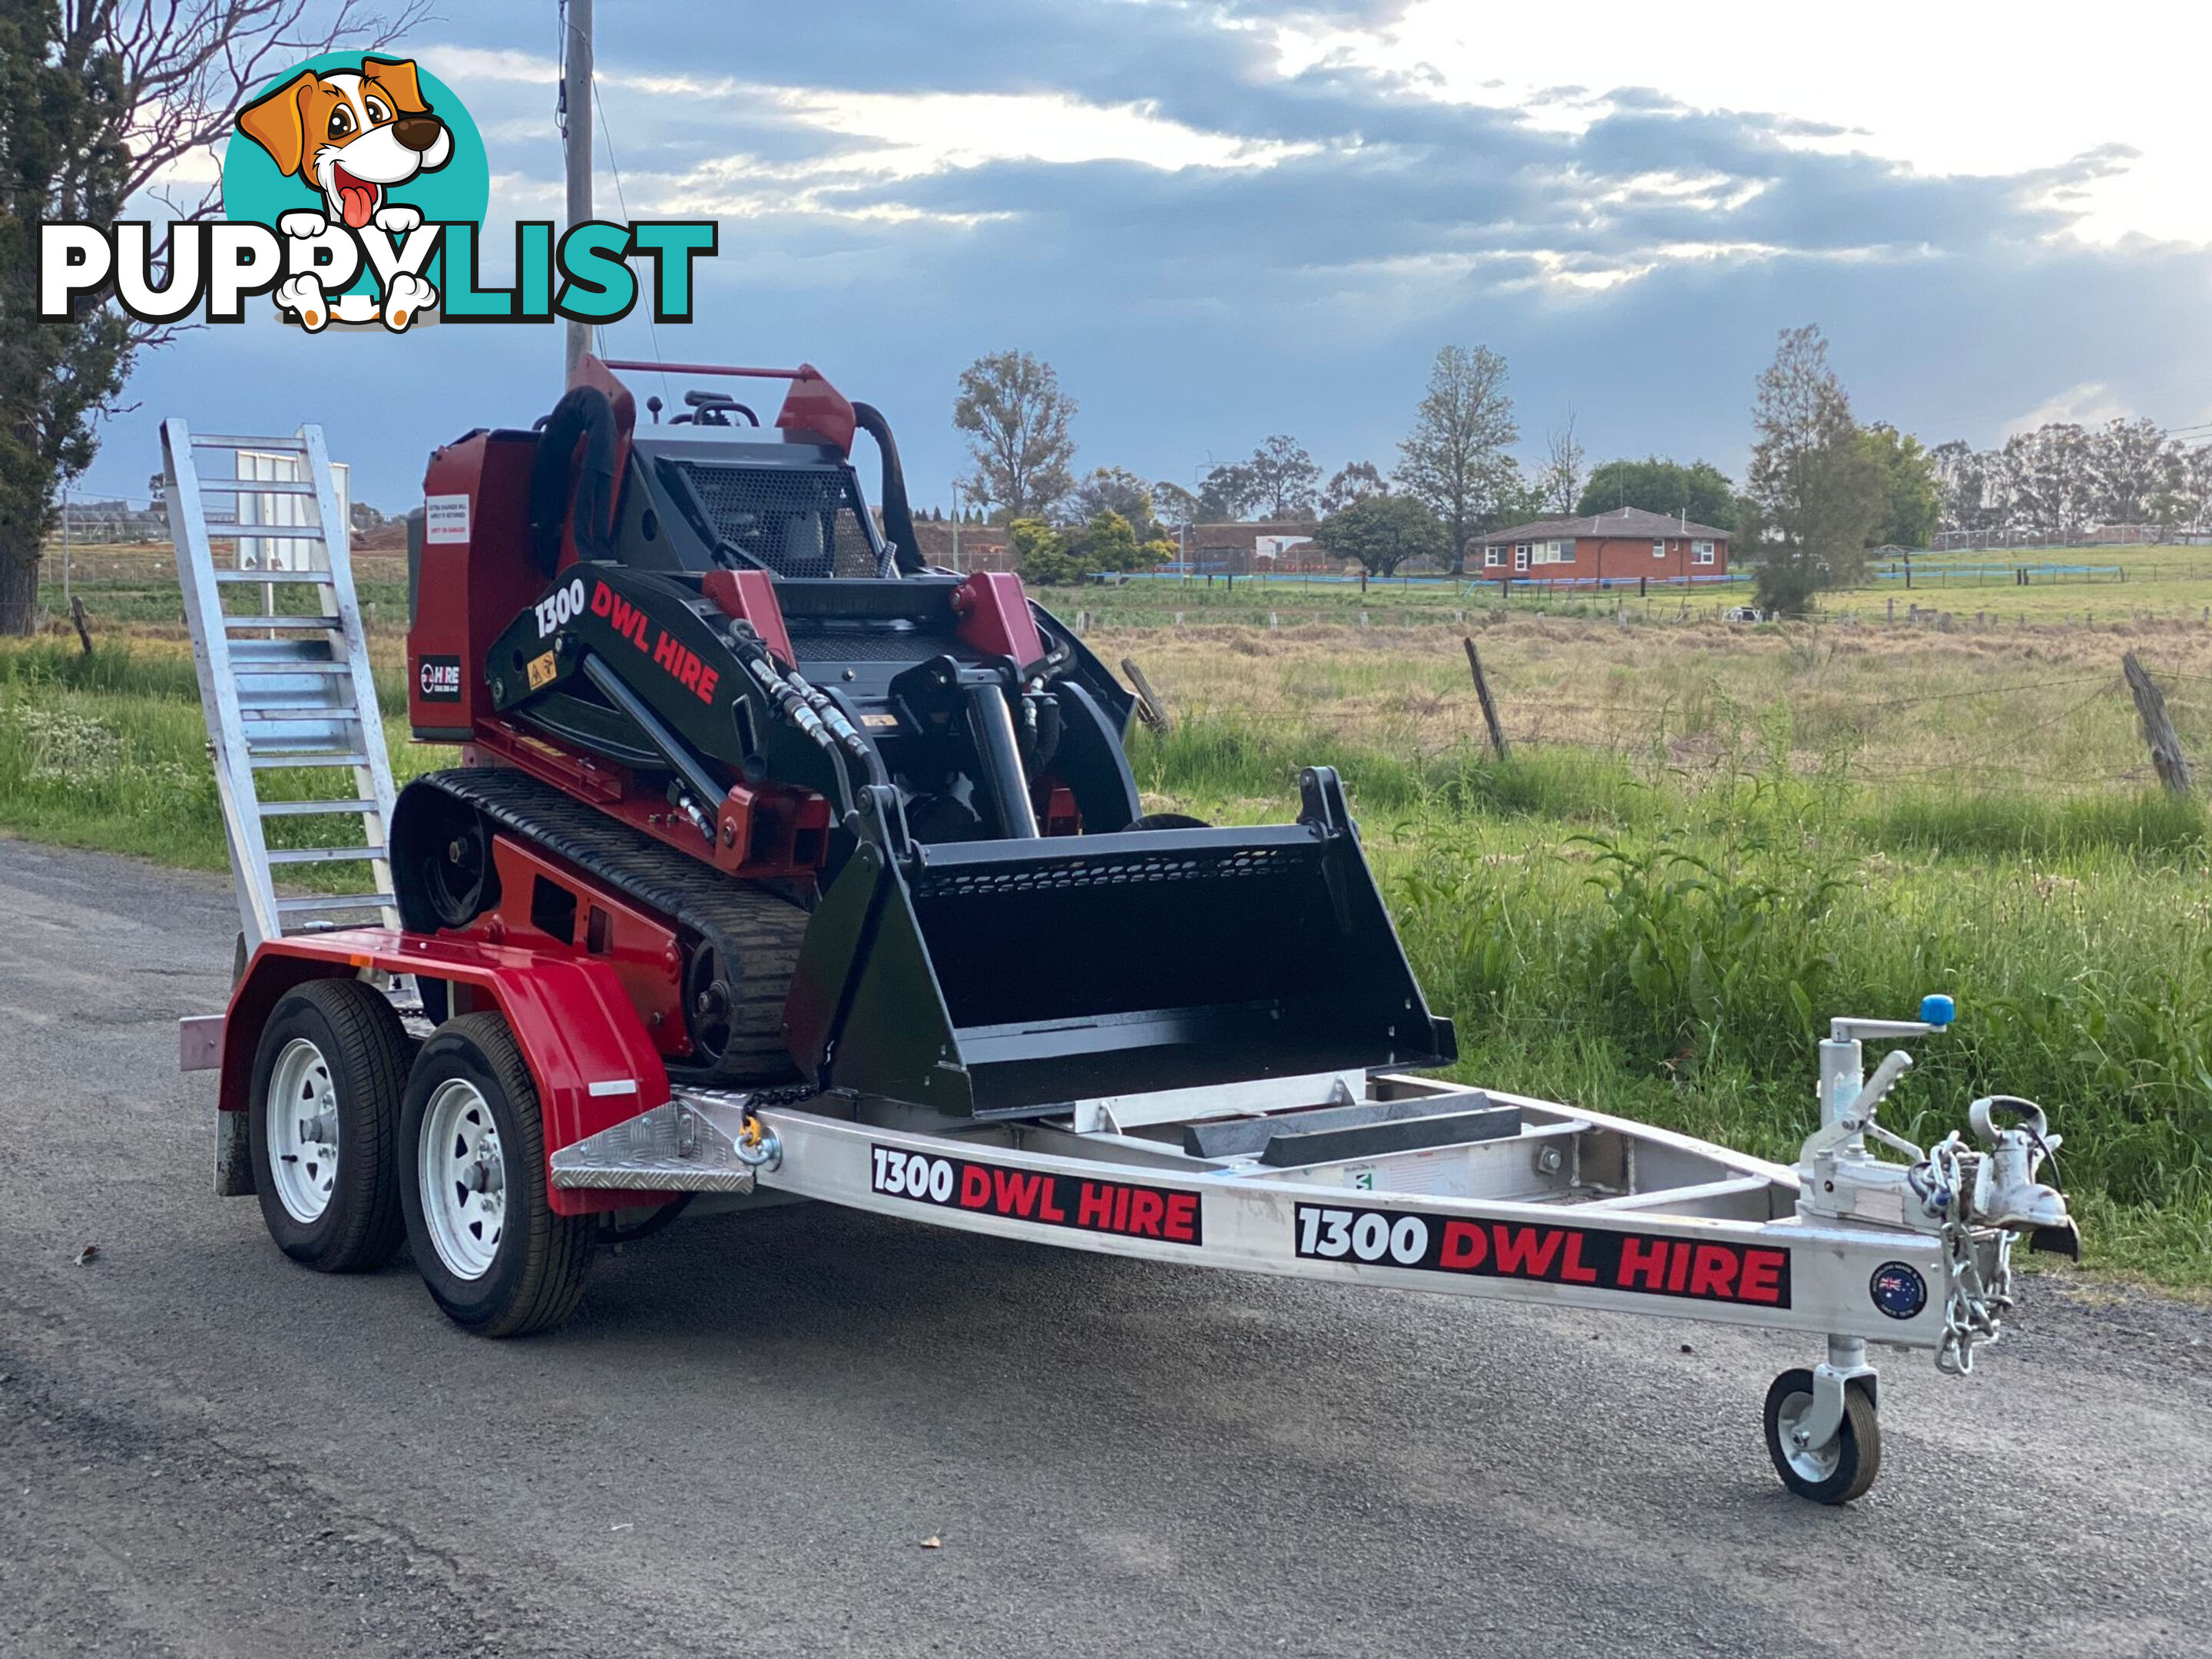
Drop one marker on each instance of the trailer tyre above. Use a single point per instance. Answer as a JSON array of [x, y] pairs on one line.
[[323, 1125], [494, 1255], [1843, 1469]]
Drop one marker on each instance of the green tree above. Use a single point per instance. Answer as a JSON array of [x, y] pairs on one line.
[[2136, 465], [64, 158], [1175, 507], [1108, 543], [1700, 491], [1381, 532], [1354, 480], [98, 98], [1040, 556], [1284, 478], [1913, 503], [1815, 491], [1454, 459], [1115, 490], [1016, 417], [1227, 492]]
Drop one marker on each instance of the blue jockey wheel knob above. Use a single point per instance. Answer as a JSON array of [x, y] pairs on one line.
[[1938, 1011]]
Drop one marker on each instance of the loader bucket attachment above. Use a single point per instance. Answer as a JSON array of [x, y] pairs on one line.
[[1014, 977]]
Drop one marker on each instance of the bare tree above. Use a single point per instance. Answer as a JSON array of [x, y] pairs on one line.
[[99, 101], [1559, 480], [1016, 417], [1454, 459]]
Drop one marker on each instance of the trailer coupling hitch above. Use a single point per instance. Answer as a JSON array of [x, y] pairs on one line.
[[1978, 1199], [2006, 1191]]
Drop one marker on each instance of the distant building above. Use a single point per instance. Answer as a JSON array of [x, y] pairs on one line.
[[1623, 545], [1274, 546], [981, 546]]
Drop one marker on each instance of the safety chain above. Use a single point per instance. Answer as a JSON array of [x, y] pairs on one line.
[[789, 1094], [1975, 1307]]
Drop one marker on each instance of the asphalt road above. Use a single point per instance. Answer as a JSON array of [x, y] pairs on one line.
[[744, 1438]]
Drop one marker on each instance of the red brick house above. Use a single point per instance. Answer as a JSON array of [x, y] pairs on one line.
[[1624, 545]]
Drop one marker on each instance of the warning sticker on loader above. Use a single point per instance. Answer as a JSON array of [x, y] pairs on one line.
[[1079, 1202], [1598, 1258]]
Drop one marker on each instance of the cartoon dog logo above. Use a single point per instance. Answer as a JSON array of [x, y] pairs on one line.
[[352, 137]]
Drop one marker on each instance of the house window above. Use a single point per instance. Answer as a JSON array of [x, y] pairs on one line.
[[1701, 552], [1493, 558], [1521, 556], [1658, 549], [1556, 552]]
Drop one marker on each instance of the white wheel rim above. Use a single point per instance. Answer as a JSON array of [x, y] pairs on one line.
[[463, 1175], [302, 1115], [1814, 1466]]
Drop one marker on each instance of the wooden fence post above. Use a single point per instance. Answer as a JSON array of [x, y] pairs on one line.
[[2165, 756], [1482, 696], [77, 616], [1150, 708]]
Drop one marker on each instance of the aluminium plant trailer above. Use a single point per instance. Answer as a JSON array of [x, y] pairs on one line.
[[1380, 1179]]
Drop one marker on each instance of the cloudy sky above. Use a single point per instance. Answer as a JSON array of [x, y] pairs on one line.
[[1221, 219]]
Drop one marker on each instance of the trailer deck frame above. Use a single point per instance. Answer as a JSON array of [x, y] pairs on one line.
[[1383, 1179], [1702, 1233]]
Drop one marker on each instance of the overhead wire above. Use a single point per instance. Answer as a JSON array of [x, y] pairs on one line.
[[614, 167]]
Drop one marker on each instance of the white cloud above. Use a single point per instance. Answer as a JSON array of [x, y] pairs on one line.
[[466, 63], [932, 130], [2090, 404], [857, 138], [1960, 90]]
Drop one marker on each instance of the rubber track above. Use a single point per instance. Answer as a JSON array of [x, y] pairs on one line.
[[756, 933]]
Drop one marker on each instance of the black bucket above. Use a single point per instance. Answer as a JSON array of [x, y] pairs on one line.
[[1014, 977]]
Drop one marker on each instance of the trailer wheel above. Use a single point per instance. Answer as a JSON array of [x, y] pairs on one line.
[[323, 1124], [1841, 1470], [494, 1255]]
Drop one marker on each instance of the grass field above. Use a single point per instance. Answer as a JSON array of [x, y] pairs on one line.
[[136, 585], [1708, 839]]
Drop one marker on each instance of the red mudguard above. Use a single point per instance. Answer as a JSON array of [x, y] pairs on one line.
[[590, 1054]]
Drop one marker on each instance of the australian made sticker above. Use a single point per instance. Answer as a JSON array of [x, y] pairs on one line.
[[1081, 1203]]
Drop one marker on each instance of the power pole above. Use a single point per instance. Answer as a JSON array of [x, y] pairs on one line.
[[576, 109]]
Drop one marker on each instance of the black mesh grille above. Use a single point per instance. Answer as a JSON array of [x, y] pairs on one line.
[[1129, 870], [796, 522], [869, 647]]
